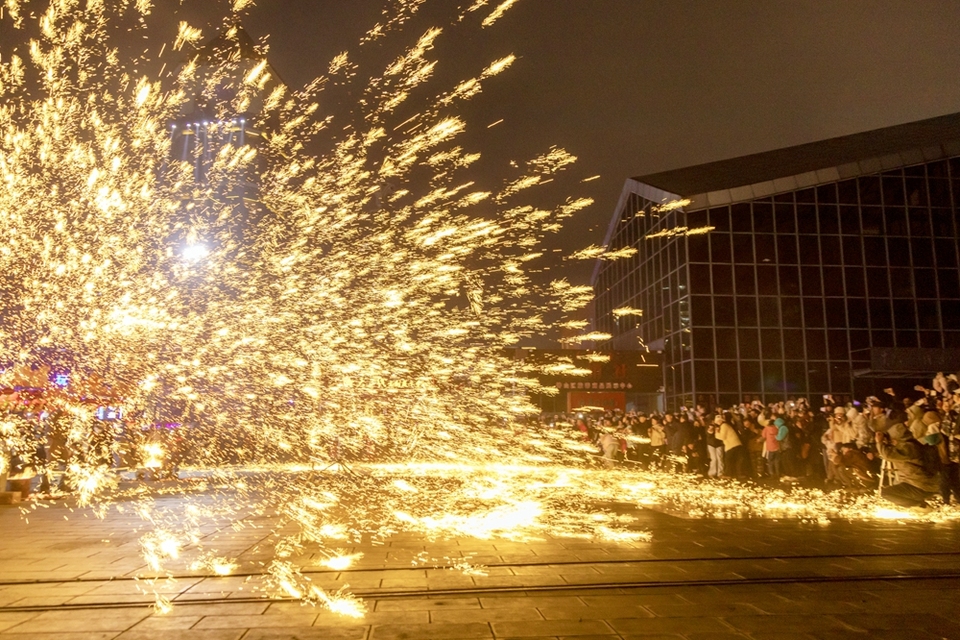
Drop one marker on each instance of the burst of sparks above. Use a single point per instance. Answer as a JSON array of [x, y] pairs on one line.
[[292, 311], [672, 205], [162, 605], [679, 231], [594, 252], [341, 562], [498, 13]]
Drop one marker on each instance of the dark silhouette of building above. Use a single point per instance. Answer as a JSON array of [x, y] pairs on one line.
[[826, 268], [229, 68]]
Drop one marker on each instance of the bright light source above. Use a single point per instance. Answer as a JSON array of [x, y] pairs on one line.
[[195, 253]]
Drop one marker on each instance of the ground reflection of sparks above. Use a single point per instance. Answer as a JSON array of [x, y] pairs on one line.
[[341, 561]]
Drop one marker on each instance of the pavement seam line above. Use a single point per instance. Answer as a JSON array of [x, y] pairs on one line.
[[480, 591], [563, 563]]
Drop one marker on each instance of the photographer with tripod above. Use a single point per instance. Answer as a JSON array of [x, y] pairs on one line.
[[915, 483]]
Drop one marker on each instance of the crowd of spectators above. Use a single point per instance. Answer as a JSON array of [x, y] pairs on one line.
[[907, 447]]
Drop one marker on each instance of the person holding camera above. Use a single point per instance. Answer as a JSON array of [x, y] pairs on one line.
[[917, 482]]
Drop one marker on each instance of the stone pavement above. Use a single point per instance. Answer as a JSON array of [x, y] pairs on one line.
[[68, 575]]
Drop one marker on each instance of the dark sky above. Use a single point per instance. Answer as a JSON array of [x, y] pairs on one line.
[[640, 86]]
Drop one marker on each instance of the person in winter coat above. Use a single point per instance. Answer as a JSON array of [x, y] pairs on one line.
[[877, 418], [658, 442], [733, 451], [916, 483], [714, 451], [853, 467], [609, 445], [949, 451], [641, 429], [843, 430], [858, 423], [774, 433], [751, 435]]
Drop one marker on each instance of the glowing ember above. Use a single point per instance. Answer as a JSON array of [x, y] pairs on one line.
[[153, 456], [341, 562]]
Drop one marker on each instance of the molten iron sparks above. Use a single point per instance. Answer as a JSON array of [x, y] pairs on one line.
[[290, 310]]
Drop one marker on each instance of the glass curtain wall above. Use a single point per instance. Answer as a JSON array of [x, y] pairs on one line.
[[654, 280], [785, 297]]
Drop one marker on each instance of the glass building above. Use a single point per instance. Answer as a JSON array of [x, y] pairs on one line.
[[827, 268]]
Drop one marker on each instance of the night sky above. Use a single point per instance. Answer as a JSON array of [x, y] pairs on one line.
[[640, 86]]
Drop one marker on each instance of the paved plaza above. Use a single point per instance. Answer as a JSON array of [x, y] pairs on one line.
[[71, 576]]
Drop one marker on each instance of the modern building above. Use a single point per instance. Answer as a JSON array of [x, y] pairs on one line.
[[216, 113], [825, 268]]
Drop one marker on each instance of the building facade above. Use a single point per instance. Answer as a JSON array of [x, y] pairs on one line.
[[828, 268], [625, 380]]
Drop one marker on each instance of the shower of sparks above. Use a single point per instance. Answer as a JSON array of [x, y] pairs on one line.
[[594, 252], [343, 603], [593, 336], [262, 312], [596, 357], [276, 306], [216, 565]]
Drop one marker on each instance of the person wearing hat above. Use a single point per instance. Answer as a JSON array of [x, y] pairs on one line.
[[877, 416], [916, 485], [843, 430]]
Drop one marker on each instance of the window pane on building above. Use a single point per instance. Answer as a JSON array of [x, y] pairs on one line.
[[726, 343], [746, 311], [749, 343], [744, 279], [812, 286]]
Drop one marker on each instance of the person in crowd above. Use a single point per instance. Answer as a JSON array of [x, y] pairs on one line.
[[690, 450], [916, 482], [670, 425], [583, 429], [733, 452], [658, 442], [752, 435], [608, 446], [678, 440], [698, 448], [853, 467], [843, 443], [773, 434], [714, 450], [641, 430], [623, 442], [949, 448]]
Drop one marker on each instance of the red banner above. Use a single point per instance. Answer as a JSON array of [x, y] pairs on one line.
[[608, 400]]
